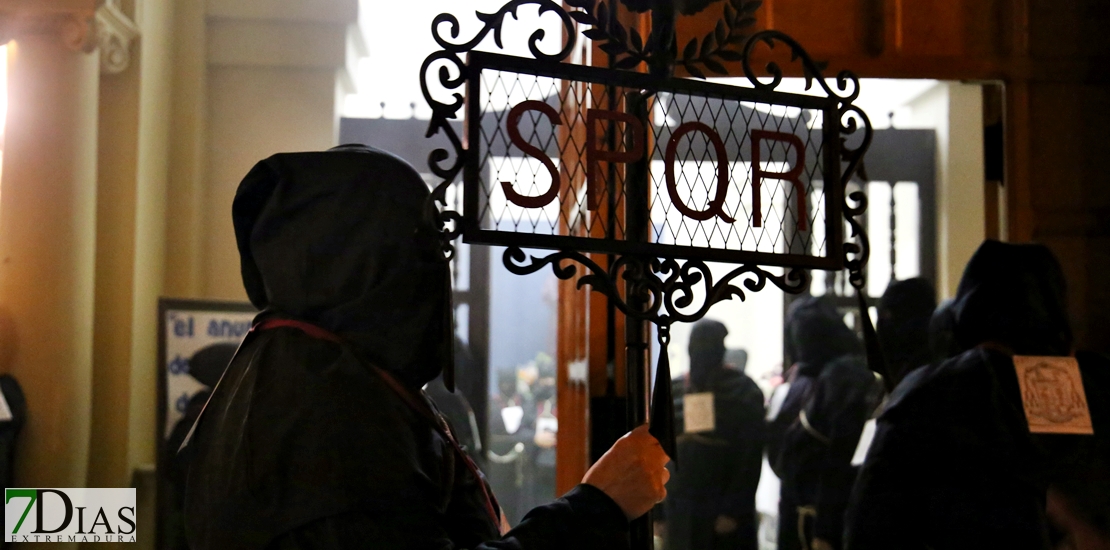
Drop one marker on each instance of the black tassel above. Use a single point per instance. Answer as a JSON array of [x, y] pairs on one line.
[[875, 359], [662, 402]]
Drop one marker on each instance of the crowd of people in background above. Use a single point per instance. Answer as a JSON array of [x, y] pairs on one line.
[[975, 424], [523, 431], [933, 451], [711, 498]]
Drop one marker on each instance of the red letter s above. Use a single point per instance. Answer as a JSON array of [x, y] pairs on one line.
[[512, 125]]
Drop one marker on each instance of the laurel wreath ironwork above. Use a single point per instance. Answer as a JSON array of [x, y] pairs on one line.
[[668, 289], [630, 49]]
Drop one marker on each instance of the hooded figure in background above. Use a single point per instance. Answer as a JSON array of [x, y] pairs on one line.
[[711, 502], [942, 332], [903, 328], [815, 434], [318, 435], [205, 366], [953, 464]]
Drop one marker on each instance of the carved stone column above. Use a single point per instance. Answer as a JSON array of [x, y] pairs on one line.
[[115, 31], [47, 231]]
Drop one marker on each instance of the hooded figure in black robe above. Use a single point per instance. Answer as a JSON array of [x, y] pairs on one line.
[[305, 443], [205, 366], [905, 311], [1079, 483], [813, 438], [711, 496], [942, 332], [953, 464]]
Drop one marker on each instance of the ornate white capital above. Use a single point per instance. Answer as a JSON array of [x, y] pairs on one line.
[[115, 31], [71, 21]]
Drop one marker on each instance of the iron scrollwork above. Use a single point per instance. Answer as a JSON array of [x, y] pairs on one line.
[[445, 164], [668, 289], [629, 49], [661, 290], [850, 118]]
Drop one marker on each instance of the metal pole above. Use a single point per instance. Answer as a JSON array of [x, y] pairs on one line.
[[636, 360], [638, 220], [635, 330], [611, 100]]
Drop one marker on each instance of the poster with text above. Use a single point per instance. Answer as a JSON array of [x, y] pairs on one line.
[[196, 341], [199, 340]]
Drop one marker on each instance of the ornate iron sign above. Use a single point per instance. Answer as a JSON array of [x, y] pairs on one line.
[[662, 174], [730, 178]]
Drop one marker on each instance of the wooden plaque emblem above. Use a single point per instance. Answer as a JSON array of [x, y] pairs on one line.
[[1052, 394]]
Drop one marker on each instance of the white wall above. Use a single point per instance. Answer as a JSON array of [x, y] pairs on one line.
[[955, 110], [754, 324], [254, 112], [251, 79]]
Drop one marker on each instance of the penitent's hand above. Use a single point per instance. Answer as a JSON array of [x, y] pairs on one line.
[[632, 472]]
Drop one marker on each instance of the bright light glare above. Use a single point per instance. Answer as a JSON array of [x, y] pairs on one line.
[[3, 88], [3, 97], [399, 38]]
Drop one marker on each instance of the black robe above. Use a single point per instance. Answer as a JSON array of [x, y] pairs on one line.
[[813, 438], [303, 443], [953, 464], [719, 470]]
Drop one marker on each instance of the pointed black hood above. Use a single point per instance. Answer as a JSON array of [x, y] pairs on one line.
[[1013, 294], [942, 332], [905, 311], [707, 352], [340, 239], [816, 334]]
